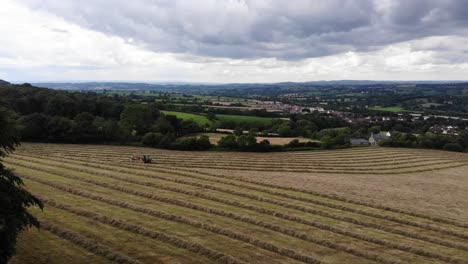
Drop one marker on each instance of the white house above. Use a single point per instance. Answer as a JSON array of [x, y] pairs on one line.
[[375, 139]]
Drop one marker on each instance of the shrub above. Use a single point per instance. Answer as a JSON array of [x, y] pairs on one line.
[[192, 143], [453, 147], [152, 139]]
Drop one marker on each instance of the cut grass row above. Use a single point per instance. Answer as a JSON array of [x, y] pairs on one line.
[[209, 240], [206, 178], [331, 197], [276, 228], [139, 247], [88, 244], [170, 217], [236, 181], [350, 163], [293, 233], [421, 166], [317, 202], [386, 243], [297, 155], [354, 160], [45, 146], [43, 247], [121, 224]]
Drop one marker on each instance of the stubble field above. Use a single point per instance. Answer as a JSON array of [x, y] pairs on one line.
[[218, 207]]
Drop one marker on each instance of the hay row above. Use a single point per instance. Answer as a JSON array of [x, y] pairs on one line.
[[325, 195], [180, 219], [321, 203], [169, 153], [95, 148], [179, 171], [406, 169], [276, 228], [371, 225], [269, 226], [308, 164], [319, 169], [123, 225], [201, 158], [88, 244]]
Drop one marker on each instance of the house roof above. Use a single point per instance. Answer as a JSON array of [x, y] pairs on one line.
[[359, 141]]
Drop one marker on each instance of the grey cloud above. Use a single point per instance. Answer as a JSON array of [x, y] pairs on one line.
[[282, 29]]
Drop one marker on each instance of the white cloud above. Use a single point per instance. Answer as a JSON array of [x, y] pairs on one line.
[[37, 45]]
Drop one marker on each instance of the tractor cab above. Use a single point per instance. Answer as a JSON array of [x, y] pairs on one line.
[[147, 159]]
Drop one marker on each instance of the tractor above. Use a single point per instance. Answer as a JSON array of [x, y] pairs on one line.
[[144, 158]]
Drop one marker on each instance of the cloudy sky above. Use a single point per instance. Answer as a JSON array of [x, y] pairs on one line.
[[233, 40]]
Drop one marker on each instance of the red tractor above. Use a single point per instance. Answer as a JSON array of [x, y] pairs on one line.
[[144, 158]]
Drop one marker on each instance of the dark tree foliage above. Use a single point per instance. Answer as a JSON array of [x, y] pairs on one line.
[[14, 199]]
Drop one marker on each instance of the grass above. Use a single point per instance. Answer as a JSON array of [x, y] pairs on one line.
[[202, 120], [171, 212], [199, 119], [395, 109], [43, 247], [244, 119]]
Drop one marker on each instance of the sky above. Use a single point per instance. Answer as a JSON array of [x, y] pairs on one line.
[[226, 41]]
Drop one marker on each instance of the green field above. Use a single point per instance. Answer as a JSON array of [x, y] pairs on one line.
[[202, 120], [395, 109], [199, 119], [245, 119], [102, 207]]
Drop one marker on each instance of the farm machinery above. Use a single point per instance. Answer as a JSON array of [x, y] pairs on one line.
[[144, 158]]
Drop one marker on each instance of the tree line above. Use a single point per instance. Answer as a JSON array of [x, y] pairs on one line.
[[72, 117]]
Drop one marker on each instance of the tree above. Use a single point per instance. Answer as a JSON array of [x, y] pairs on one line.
[[374, 129], [14, 199], [59, 128], [211, 116], [83, 128], [238, 131], [284, 130], [246, 142], [228, 142], [136, 118], [152, 139], [33, 126], [453, 147]]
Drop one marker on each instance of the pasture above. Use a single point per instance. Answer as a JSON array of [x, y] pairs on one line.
[[244, 119], [199, 119], [193, 207], [395, 109]]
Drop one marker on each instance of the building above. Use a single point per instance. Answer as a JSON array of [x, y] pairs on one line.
[[359, 142], [374, 140]]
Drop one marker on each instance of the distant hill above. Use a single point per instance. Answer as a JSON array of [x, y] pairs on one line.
[[2, 82], [182, 87]]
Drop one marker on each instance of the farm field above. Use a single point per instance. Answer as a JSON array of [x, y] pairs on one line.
[[244, 119], [203, 120], [212, 207], [395, 109], [199, 119], [215, 137]]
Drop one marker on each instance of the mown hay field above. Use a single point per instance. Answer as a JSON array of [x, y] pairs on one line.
[[101, 207]]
